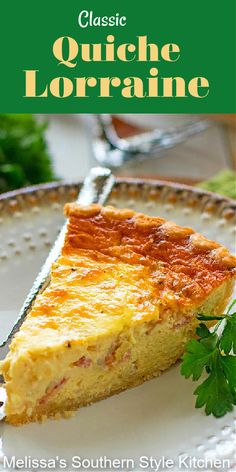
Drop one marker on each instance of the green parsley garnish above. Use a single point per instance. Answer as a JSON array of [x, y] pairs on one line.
[[24, 157], [214, 354]]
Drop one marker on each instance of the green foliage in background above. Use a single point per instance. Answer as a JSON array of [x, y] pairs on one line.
[[24, 158], [224, 183]]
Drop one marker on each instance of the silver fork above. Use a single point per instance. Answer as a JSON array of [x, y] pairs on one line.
[[113, 151], [96, 189]]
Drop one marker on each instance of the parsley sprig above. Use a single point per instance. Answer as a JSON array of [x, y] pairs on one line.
[[213, 353]]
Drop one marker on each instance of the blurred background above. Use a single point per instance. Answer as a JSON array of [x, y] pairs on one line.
[[183, 148]]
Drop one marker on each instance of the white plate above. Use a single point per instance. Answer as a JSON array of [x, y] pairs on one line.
[[155, 419]]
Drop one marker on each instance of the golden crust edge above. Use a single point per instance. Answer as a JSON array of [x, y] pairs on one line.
[[218, 252], [75, 406]]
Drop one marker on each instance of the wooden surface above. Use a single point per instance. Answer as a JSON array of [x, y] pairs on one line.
[[229, 123], [232, 142], [125, 130]]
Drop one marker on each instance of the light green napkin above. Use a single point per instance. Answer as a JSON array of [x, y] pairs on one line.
[[224, 183]]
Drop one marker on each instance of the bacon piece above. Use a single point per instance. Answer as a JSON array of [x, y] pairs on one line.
[[53, 388], [83, 362], [151, 325], [110, 359], [126, 356]]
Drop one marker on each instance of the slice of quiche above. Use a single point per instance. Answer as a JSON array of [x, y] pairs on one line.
[[122, 302]]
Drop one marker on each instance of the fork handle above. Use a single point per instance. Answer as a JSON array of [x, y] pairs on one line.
[[95, 189]]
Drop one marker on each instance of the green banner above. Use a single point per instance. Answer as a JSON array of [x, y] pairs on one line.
[[157, 56]]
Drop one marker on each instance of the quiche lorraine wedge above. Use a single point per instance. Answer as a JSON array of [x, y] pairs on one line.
[[122, 302]]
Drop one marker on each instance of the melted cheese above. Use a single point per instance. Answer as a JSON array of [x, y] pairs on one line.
[[119, 268]]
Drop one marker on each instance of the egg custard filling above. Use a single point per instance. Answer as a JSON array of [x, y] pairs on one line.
[[122, 301]]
